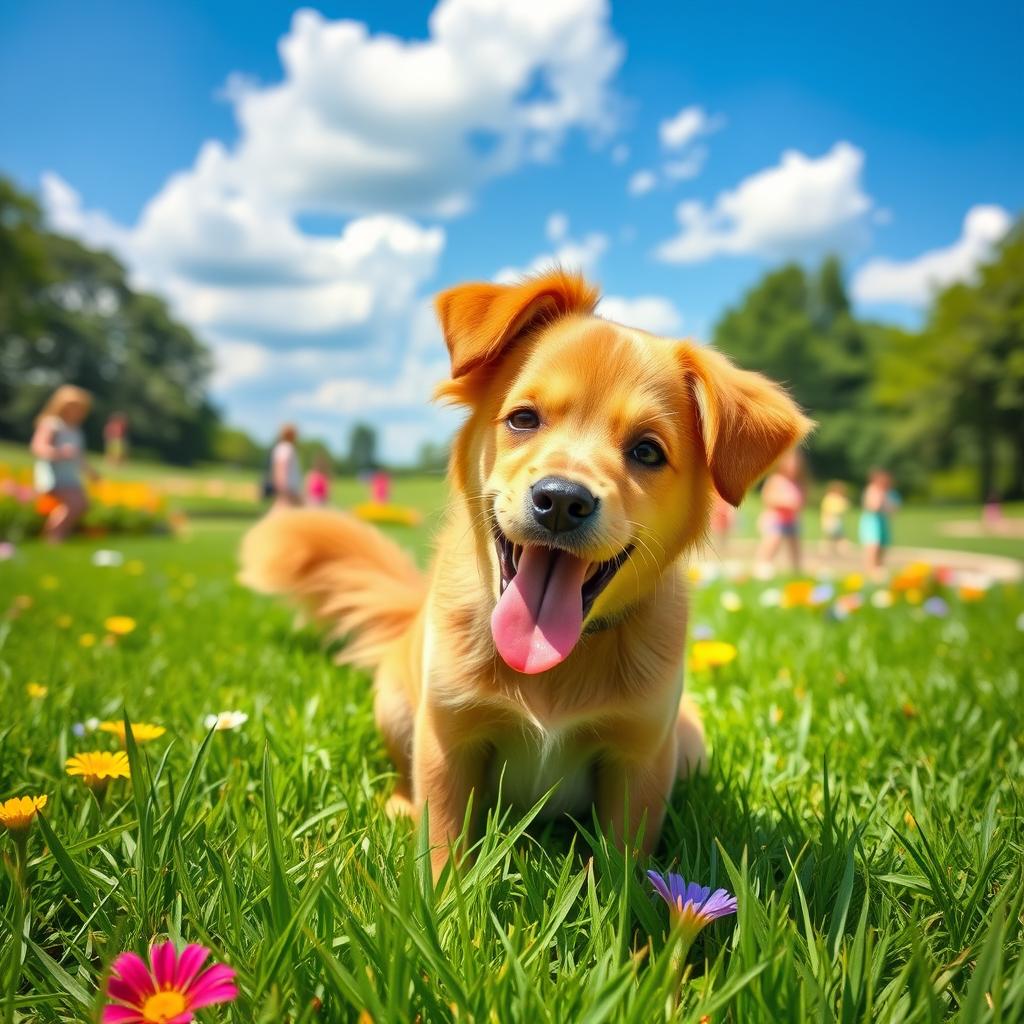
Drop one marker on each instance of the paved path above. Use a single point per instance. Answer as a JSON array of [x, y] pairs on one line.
[[996, 567]]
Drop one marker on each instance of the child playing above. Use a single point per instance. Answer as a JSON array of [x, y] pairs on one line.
[[59, 449], [782, 498], [318, 482], [834, 506], [875, 535]]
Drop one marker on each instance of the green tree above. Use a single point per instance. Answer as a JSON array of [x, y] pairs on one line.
[[956, 389], [797, 328], [362, 448], [237, 448], [68, 315]]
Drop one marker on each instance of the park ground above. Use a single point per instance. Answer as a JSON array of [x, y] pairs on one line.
[[863, 803]]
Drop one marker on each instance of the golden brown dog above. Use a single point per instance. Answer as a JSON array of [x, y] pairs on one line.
[[545, 646]]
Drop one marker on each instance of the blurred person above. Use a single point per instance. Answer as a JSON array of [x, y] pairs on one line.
[[877, 504], [285, 476], [59, 449], [834, 506], [992, 513], [318, 481], [115, 438], [380, 486], [782, 499], [723, 518]]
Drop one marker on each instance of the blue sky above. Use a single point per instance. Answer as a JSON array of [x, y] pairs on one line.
[[299, 213]]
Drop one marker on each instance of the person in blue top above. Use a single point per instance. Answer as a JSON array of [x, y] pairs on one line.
[[877, 504]]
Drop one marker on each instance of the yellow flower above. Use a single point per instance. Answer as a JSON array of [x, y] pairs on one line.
[[87, 639], [63, 621], [119, 625], [134, 567], [914, 595], [711, 654], [855, 581], [49, 583], [98, 767], [17, 813], [142, 731], [36, 690]]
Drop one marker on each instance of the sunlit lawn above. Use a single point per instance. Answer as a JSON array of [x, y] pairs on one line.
[[864, 804]]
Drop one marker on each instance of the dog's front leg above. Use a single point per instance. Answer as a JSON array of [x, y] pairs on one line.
[[447, 770], [630, 788]]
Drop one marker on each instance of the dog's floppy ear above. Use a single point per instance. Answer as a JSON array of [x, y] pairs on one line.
[[746, 421], [480, 320]]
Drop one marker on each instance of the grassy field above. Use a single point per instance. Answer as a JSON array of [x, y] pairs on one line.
[[864, 804]]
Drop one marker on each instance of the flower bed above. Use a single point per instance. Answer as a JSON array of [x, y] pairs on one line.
[[115, 507]]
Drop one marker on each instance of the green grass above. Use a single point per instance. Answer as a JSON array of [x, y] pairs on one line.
[[864, 803]]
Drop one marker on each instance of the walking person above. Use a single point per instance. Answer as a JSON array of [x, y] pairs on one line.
[[834, 506], [782, 497], [877, 505], [59, 450], [318, 481], [285, 476], [115, 438]]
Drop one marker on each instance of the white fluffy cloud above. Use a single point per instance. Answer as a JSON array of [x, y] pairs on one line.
[[914, 282], [678, 135], [568, 252], [557, 226], [641, 182], [802, 205], [690, 123], [231, 267], [369, 122], [652, 313], [371, 127]]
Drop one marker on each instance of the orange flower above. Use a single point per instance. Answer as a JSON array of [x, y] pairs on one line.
[[46, 503], [797, 594], [911, 577]]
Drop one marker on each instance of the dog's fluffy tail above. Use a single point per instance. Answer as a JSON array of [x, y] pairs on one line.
[[347, 574]]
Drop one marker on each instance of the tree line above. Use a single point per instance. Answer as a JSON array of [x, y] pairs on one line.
[[942, 406], [68, 314]]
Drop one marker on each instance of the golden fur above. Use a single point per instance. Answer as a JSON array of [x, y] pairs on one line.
[[608, 723]]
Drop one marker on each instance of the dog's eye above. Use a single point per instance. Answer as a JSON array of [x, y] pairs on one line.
[[523, 419], [648, 453]]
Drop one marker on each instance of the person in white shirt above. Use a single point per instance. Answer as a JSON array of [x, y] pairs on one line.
[[285, 471]]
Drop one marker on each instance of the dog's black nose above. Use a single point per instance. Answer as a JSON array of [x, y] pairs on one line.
[[560, 505]]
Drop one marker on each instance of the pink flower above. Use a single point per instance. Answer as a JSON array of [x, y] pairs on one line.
[[169, 990]]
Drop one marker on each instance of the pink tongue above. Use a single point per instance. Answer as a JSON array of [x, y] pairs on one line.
[[538, 619]]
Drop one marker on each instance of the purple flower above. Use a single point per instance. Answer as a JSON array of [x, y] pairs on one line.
[[691, 906], [936, 606]]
